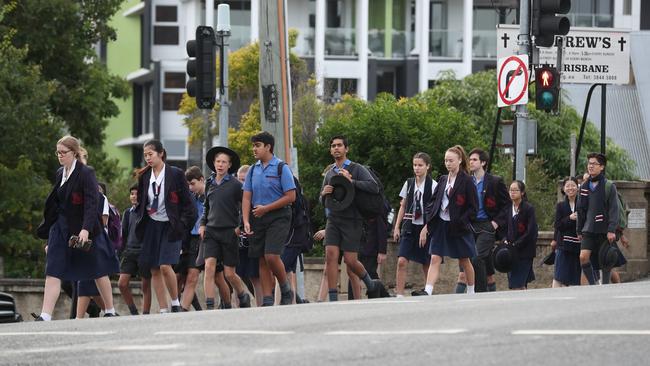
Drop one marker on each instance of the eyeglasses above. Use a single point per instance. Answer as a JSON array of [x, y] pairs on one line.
[[591, 163], [61, 153], [514, 190]]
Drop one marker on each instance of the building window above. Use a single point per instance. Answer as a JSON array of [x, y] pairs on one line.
[[627, 7], [174, 80], [173, 89], [336, 88], [340, 34], [592, 13], [165, 28], [240, 22]]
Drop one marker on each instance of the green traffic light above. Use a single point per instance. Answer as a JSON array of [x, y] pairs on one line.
[[547, 99]]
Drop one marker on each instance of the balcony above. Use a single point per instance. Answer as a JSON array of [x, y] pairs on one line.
[[445, 43], [340, 42], [240, 36], [305, 42], [401, 43], [484, 44]]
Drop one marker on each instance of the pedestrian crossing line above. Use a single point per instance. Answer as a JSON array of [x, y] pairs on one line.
[[522, 299], [146, 347], [579, 332], [223, 332], [396, 332], [58, 333], [374, 302], [632, 297]]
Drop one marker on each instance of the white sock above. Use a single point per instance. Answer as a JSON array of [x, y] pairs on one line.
[[428, 289], [470, 289], [47, 317], [164, 311], [399, 296], [110, 311], [175, 302]]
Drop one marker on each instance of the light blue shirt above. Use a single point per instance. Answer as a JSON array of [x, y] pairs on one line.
[[481, 215], [265, 184], [345, 165], [199, 208]]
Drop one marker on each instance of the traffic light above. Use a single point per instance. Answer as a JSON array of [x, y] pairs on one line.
[[546, 24], [201, 69], [547, 88]]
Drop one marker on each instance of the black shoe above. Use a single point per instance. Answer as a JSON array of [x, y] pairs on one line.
[[225, 306], [420, 292], [37, 318], [301, 301], [244, 300], [287, 298], [176, 308], [110, 315], [374, 291]]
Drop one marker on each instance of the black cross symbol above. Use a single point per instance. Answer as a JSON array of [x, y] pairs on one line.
[[505, 39], [622, 41]]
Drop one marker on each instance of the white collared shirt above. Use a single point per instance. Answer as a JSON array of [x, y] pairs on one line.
[[66, 174], [161, 213]]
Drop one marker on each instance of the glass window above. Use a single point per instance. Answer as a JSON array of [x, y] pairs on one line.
[[336, 88], [340, 34], [165, 35], [166, 14], [175, 80], [171, 101], [627, 7]]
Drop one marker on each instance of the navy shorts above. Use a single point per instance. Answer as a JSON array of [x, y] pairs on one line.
[[290, 258]]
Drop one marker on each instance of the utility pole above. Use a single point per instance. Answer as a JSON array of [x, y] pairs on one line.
[[521, 113], [275, 86]]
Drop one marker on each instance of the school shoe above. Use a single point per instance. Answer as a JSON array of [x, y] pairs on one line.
[[225, 306], [110, 315], [287, 298], [176, 308], [375, 291], [419, 292], [244, 300], [38, 318]]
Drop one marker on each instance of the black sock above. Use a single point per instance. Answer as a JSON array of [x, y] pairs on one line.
[[607, 275], [333, 294], [492, 287], [588, 270], [133, 309], [368, 281], [461, 287], [196, 304], [209, 303], [268, 301], [285, 287]]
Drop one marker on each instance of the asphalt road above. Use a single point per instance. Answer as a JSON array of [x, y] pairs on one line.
[[598, 325]]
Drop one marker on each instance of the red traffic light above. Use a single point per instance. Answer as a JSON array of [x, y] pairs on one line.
[[546, 79]]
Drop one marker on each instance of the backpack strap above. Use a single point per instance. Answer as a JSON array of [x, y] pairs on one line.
[[410, 193]]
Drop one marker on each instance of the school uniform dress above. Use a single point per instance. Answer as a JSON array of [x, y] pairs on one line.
[[165, 213], [453, 207], [415, 197], [522, 235], [70, 207], [567, 254]]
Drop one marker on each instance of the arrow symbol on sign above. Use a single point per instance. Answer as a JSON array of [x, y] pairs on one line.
[[510, 77]]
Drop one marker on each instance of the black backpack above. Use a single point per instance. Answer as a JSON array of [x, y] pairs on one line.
[[300, 234], [371, 205]]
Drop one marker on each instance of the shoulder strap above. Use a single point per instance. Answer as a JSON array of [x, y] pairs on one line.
[[280, 168], [410, 193]]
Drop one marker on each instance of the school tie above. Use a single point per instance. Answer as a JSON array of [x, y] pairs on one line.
[[418, 207], [154, 204]]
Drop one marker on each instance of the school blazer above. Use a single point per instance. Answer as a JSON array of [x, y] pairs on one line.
[[80, 203], [180, 208], [522, 231], [565, 229], [496, 202], [463, 204]]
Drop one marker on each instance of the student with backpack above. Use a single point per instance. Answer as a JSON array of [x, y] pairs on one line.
[[343, 229], [415, 192], [266, 213]]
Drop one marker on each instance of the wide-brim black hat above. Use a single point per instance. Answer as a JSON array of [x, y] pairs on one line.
[[503, 257], [342, 195], [608, 256], [234, 158], [549, 259]]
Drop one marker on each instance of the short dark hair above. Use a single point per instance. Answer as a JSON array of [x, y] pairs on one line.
[[340, 137], [103, 186], [134, 187], [193, 172], [482, 155], [265, 138], [602, 159]]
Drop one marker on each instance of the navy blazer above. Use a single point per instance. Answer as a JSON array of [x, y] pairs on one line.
[[565, 229], [522, 230], [496, 202], [79, 206], [463, 204], [179, 205]]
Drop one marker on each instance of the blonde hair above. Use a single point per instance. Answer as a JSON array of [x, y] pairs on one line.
[[73, 144], [458, 150], [243, 169]]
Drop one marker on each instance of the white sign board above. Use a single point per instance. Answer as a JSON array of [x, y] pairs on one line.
[[636, 218], [591, 55], [512, 80]]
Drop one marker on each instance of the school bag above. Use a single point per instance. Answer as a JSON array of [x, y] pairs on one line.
[[372, 205], [623, 208], [114, 227], [300, 232]]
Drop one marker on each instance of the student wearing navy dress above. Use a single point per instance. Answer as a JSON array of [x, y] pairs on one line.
[[448, 215], [71, 209], [165, 213], [415, 192], [522, 235], [566, 243]]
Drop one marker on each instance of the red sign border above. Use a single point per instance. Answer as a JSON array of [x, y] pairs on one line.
[[525, 90]]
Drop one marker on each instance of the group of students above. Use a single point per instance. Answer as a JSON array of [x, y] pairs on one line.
[[235, 224]]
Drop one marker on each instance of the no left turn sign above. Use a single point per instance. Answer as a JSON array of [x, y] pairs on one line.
[[512, 80]]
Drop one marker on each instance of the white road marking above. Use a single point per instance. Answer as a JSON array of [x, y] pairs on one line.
[[145, 347], [396, 332], [580, 332], [500, 299], [367, 302], [266, 351], [224, 332], [59, 333], [95, 347], [633, 297]]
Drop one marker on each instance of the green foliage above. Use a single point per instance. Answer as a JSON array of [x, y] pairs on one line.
[[239, 140]]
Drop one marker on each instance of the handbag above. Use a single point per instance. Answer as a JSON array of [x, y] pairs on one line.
[[74, 243]]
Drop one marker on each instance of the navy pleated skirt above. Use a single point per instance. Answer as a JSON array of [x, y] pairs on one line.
[[157, 249], [70, 264], [521, 274], [567, 267], [444, 245]]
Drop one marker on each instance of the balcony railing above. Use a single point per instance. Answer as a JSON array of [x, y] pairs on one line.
[[484, 44], [446, 43], [340, 42], [305, 42]]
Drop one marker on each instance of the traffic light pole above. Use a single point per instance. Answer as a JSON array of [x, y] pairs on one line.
[[224, 104], [521, 113]]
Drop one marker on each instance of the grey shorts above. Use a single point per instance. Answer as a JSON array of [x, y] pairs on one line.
[[593, 242], [485, 236], [222, 244], [270, 233], [344, 233]]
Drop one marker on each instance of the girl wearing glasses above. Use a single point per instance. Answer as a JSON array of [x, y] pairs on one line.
[[415, 192], [71, 216], [522, 235], [166, 214]]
